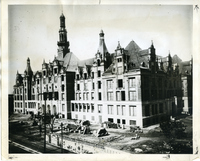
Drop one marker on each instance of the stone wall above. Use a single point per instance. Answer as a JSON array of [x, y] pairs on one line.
[[80, 147]]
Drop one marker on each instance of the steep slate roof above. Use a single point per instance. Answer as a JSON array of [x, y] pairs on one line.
[[70, 61], [176, 59], [136, 54]]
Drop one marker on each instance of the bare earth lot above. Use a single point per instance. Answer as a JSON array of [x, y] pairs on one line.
[[151, 141]]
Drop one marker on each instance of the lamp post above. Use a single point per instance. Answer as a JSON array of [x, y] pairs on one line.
[[45, 99], [61, 125]]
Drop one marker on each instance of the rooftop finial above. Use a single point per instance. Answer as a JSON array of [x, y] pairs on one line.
[[118, 46]]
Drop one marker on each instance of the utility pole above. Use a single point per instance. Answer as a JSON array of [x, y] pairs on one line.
[[61, 137], [45, 99]]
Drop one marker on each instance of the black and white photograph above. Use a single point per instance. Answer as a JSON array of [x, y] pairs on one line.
[[101, 79]]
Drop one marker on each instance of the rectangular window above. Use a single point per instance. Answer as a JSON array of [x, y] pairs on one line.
[[132, 95], [123, 95], [132, 122], [77, 76], [99, 73], [62, 77], [85, 75], [118, 96], [120, 83], [77, 96], [83, 96], [63, 87], [49, 79], [78, 87], [123, 110], [123, 121], [99, 84], [76, 107], [63, 107], [55, 70], [110, 96], [88, 108], [119, 60], [85, 86], [132, 110], [92, 96], [110, 109], [99, 95], [84, 108], [63, 96], [56, 96], [99, 108], [93, 85], [132, 82], [118, 121], [118, 110], [80, 108], [92, 74], [109, 84], [92, 108]]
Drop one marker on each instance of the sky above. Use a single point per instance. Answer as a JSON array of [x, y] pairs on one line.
[[33, 31]]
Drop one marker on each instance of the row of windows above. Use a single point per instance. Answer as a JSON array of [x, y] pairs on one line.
[[132, 83], [86, 86], [83, 108], [18, 104], [121, 110], [18, 97], [48, 80], [87, 75], [154, 109], [55, 71], [120, 96]]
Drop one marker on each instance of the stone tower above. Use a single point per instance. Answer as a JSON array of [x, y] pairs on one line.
[[63, 44]]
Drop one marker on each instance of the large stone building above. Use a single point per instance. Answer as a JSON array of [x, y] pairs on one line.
[[54, 83], [130, 86]]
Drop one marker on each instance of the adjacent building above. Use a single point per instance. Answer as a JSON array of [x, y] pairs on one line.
[[129, 86]]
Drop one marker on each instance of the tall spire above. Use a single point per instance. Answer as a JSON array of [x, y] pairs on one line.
[[102, 46], [28, 70], [63, 44]]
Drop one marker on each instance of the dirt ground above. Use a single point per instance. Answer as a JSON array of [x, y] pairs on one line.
[[150, 141]]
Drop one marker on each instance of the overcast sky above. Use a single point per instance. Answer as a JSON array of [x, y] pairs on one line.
[[33, 31]]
